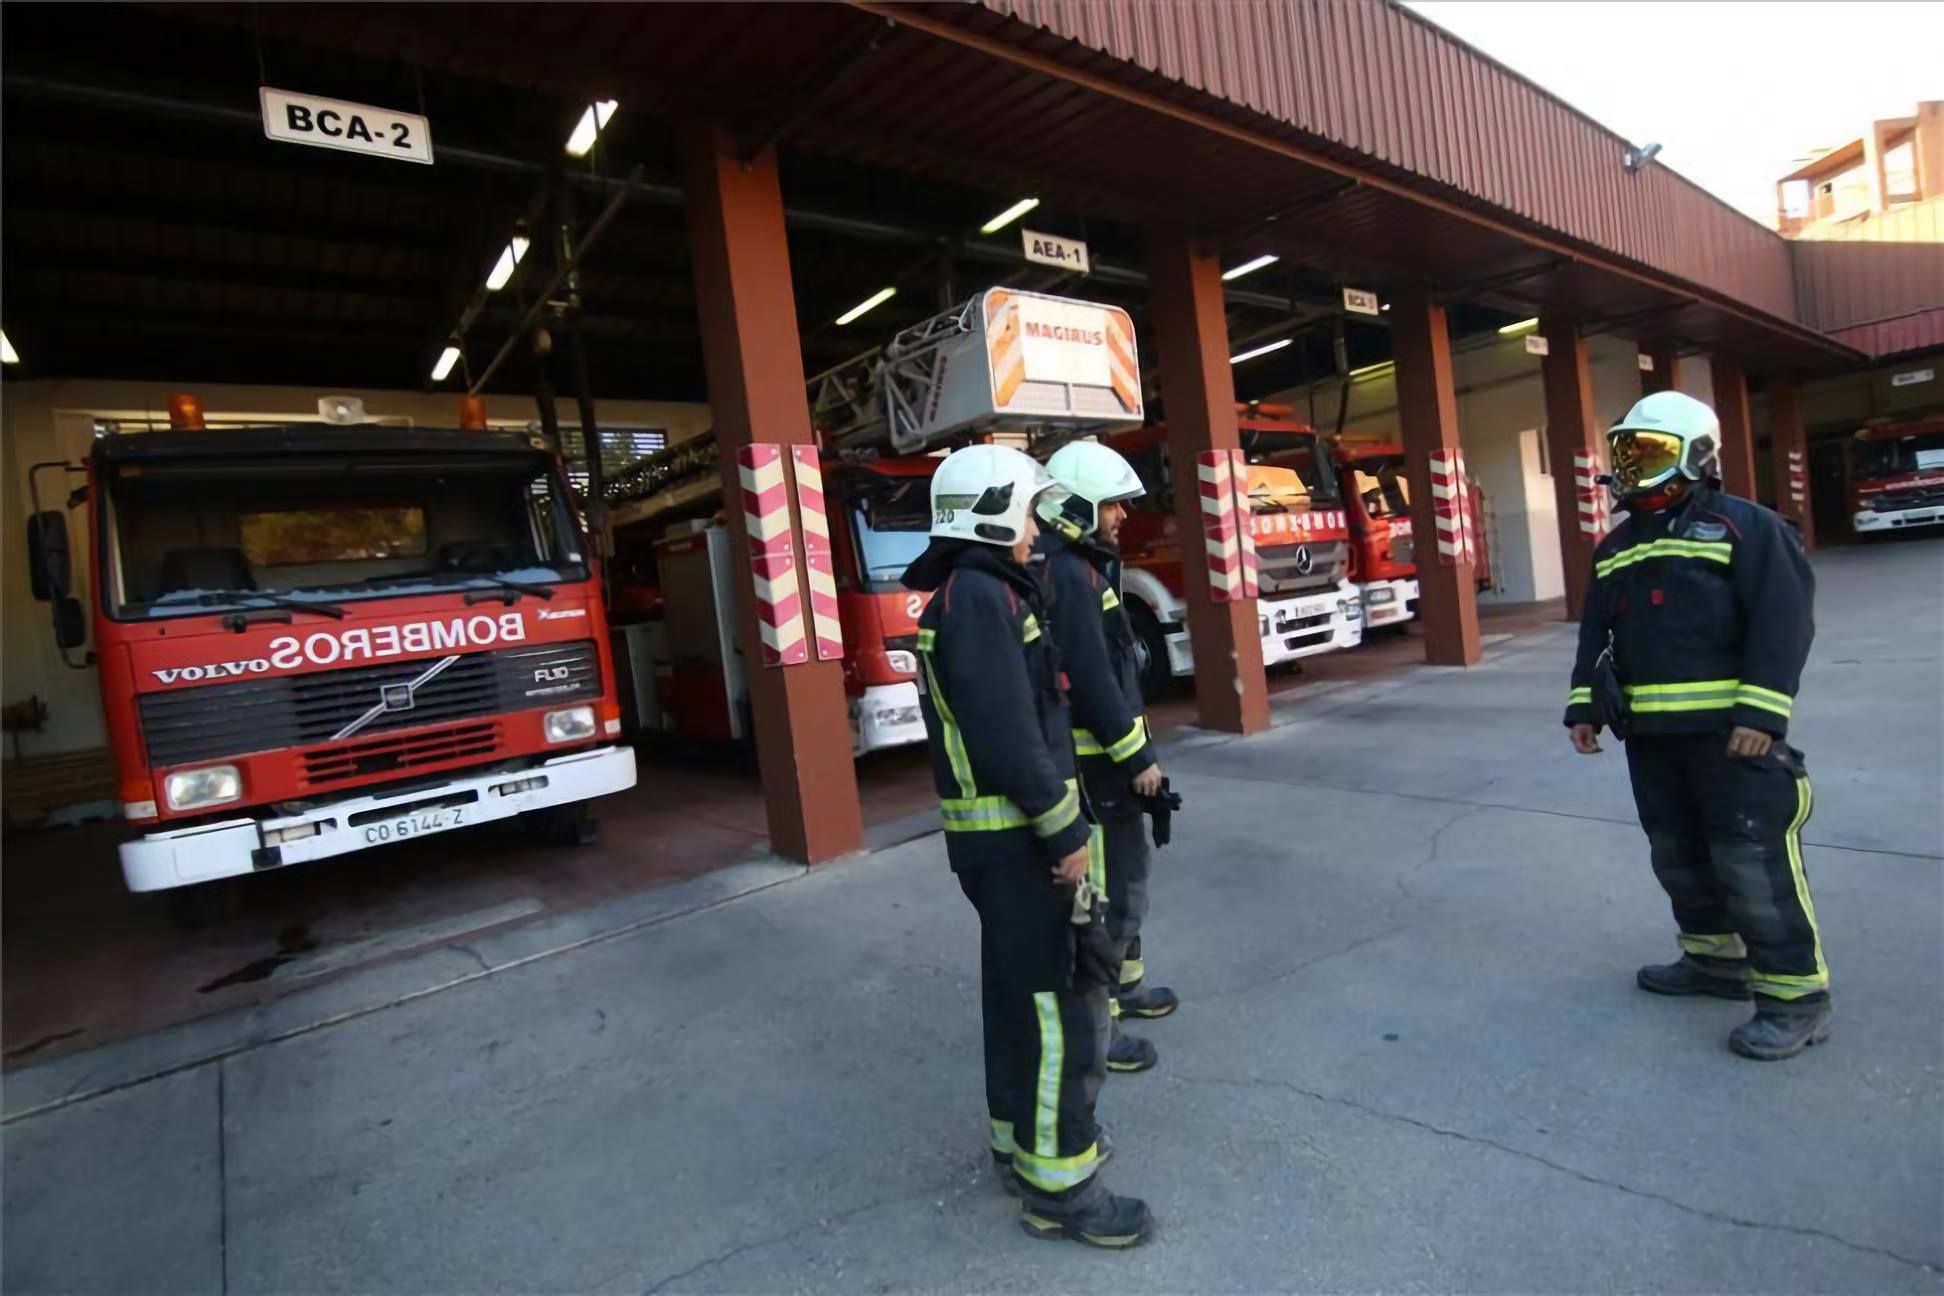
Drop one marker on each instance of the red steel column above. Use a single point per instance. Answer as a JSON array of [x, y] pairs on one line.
[[1789, 457], [1427, 413], [754, 361], [1737, 436], [1191, 335], [1666, 373], [1572, 429]]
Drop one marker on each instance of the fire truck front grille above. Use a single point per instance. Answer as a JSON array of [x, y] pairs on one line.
[[357, 704], [401, 753], [1908, 498]]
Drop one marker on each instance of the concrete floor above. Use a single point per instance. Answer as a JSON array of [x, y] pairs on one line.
[[1404, 923]]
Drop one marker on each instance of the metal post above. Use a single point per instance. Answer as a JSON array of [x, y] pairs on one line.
[[1427, 413], [1572, 433], [1191, 332], [1737, 436], [754, 362], [583, 387]]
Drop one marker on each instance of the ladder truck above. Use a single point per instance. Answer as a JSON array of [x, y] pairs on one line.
[[1027, 368]]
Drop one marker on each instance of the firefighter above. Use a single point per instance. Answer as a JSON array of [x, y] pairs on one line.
[[1020, 843], [1691, 649], [1080, 528]]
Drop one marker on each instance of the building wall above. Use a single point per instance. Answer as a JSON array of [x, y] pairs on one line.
[[1501, 422], [50, 421]]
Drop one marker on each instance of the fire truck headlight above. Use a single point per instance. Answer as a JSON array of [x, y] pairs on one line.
[[195, 789], [901, 661], [1350, 608], [571, 725]]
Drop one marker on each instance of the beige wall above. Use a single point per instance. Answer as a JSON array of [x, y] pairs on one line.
[[50, 420]]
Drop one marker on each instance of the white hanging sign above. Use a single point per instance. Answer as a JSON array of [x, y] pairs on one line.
[[292, 118]]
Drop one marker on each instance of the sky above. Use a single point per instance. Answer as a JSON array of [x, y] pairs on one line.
[[1733, 92]]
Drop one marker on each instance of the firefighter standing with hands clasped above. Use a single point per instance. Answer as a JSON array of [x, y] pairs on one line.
[[1691, 649], [1018, 839], [1080, 527]]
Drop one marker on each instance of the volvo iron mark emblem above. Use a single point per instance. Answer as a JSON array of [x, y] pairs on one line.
[[393, 698]]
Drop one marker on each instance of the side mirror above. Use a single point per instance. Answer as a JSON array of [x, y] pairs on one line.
[[70, 624], [48, 556]]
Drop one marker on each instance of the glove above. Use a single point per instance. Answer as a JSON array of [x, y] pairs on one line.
[[1096, 955], [1160, 808]]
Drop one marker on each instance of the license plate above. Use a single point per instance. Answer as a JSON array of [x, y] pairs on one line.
[[415, 825]]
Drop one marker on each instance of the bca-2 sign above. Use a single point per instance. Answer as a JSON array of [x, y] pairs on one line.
[[357, 128], [1050, 249]]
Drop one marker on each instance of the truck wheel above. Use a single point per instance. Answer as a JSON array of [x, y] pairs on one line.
[[568, 825], [1151, 647], [194, 908]]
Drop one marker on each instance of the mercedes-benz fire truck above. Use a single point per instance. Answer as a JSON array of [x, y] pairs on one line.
[[316, 639], [1296, 519], [1010, 364]]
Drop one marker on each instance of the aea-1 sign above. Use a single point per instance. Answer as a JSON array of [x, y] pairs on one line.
[[1050, 249], [357, 128]]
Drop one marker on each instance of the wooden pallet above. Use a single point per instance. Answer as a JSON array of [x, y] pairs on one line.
[[33, 788]]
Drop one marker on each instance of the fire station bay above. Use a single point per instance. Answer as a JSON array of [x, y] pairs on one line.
[[461, 460]]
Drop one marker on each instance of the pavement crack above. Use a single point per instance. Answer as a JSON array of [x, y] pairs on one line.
[[1305, 965], [1431, 852], [476, 956], [1479, 1140], [222, 1173], [821, 1222]]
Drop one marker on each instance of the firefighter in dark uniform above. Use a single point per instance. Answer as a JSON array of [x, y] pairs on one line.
[[1080, 526], [1691, 649], [1020, 842]]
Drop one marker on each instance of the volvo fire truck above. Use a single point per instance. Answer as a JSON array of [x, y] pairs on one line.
[[1016, 365], [1897, 476], [1296, 519], [317, 639]]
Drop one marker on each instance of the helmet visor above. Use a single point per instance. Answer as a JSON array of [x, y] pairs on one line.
[[1642, 459]]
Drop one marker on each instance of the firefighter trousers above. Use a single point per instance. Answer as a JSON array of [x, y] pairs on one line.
[[1046, 1028], [1725, 835], [1126, 847]]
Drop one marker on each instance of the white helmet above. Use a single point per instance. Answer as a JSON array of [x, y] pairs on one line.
[[1662, 436], [1085, 476], [985, 493]]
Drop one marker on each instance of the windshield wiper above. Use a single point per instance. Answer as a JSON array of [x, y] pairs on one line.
[[508, 590], [262, 599]]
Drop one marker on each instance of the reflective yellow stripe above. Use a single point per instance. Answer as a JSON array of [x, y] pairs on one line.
[[1688, 704], [1713, 551], [1767, 699], [1135, 740], [1053, 822], [1132, 970], [980, 814], [1694, 695], [1578, 695], [1691, 686], [1724, 947], [1030, 630], [927, 639], [1085, 744], [1046, 1111], [1002, 1136], [1109, 600], [955, 753], [1779, 985], [1097, 860], [1056, 1174]]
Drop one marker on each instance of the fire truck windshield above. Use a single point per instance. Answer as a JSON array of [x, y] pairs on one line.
[[893, 527], [181, 539], [1385, 491], [1304, 452], [1907, 454]]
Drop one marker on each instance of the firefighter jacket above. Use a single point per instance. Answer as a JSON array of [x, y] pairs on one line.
[[1096, 643], [1707, 607], [995, 711]]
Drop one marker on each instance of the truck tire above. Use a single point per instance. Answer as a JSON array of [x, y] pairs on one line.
[[568, 825], [1152, 648]]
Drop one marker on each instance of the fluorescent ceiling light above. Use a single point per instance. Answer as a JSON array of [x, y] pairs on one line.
[[1523, 326], [1382, 366], [588, 128], [503, 268], [7, 354], [1277, 345], [447, 358], [1249, 267], [875, 300], [1008, 216]]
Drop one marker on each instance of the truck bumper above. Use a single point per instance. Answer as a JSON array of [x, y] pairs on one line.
[[1388, 602], [887, 715], [1899, 519], [182, 856], [1309, 624]]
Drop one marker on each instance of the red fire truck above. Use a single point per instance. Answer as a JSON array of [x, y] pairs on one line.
[[1005, 364], [1296, 518], [316, 639], [1897, 476], [1383, 561]]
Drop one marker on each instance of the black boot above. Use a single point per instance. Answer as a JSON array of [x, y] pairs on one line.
[[1156, 1001], [1105, 1221], [1721, 978], [1129, 1054], [1776, 1032]]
